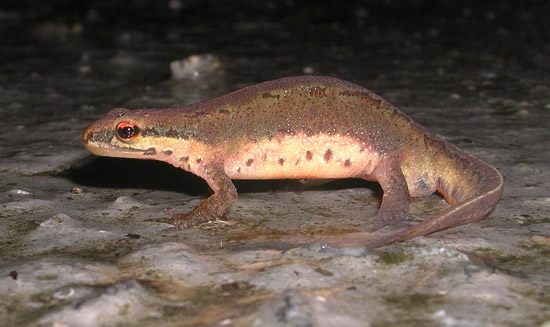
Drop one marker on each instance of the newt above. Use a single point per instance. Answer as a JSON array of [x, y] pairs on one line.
[[307, 127]]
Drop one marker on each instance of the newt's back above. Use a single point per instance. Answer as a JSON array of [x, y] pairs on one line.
[[307, 106]]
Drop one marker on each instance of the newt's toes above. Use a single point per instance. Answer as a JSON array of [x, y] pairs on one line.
[[171, 221], [181, 221]]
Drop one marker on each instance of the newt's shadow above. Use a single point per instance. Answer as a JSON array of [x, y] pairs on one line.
[[116, 173], [120, 173]]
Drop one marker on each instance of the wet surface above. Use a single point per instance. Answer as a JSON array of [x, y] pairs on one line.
[[75, 249]]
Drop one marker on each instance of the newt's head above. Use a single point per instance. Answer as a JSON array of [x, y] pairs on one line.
[[117, 134], [130, 134]]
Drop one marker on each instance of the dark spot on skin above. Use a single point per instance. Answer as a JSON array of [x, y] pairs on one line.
[[239, 169], [421, 184], [317, 92], [281, 161], [150, 152], [168, 152], [353, 94], [361, 150], [188, 167], [264, 157], [198, 160], [184, 159], [347, 163], [296, 163], [309, 155], [267, 95], [171, 133], [150, 131], [373, 101], [328, 155], [286, 131], [249, 162], [430, 143], [195, 113]]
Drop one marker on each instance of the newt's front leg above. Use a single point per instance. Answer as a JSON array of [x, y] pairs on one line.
[[394, 209], [225, 195]]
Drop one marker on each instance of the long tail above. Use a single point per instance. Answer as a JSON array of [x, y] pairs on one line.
[[471, 186]]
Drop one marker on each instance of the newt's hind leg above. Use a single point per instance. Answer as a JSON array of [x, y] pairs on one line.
[[394, 209]]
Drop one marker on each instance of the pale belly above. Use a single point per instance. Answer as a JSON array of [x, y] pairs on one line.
[[298, 156]]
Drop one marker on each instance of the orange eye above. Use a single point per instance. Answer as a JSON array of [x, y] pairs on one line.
[[127, 131]]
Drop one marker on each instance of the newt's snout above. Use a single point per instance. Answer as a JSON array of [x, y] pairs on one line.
[[87, 134]]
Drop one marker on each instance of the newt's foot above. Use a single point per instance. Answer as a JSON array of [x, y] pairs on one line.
[[180, 221]]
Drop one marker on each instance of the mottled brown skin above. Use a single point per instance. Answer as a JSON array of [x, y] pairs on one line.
[[305, 128]]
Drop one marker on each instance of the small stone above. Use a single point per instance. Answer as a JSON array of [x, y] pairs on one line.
[[196, 66], [76, 190], [132, 235], [13, 274], [455, 96], [308, 70], [18, 192]]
